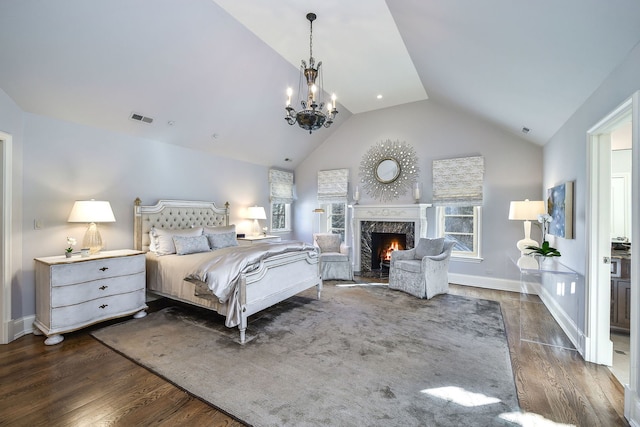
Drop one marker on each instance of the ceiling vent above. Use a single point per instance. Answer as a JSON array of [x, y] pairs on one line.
[[140, 118]]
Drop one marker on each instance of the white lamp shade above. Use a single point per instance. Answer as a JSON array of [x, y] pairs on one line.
[[526, 209], [256, 212], [91, 211]]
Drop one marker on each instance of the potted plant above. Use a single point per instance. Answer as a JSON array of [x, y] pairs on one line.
[[545, 250], [71, 242]]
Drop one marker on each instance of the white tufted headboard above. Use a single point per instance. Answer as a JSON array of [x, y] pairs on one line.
[[174, 215]]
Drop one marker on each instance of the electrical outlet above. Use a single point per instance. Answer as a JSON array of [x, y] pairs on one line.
[[38, 224]]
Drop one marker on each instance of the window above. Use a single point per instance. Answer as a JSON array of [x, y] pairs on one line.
[[336, 216], [332, 196], [280, 216], [457, 192], [461, 224], [281, 196]]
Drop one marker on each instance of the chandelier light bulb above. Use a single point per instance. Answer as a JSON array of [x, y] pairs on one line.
[[289, 93]]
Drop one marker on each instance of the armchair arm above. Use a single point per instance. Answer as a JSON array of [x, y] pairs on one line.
[[440, 257], [344, 249], [403, 254]]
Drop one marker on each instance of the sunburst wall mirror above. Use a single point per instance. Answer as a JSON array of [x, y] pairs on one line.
[[388, 170]]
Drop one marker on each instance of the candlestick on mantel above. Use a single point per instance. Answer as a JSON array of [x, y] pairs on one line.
[[416, 192]]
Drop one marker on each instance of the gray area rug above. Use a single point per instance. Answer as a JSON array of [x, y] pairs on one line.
[[360, 356]]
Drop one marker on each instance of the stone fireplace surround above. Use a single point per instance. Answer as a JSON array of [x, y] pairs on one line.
[[406, 219]]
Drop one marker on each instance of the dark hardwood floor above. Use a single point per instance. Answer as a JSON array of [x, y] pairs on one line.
[[82, 382]]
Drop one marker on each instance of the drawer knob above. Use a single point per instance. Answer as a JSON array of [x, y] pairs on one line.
[[103, 287], [104, 268], [104, 306]]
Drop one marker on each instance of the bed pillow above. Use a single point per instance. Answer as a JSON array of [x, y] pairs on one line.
[[164, 238], [222, 240], [191, 244], [220, 229], [429, 247]]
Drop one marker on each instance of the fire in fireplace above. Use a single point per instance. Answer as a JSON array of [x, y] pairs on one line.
[[382, 244]]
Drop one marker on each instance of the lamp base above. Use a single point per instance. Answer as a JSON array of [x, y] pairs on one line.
[[256, 228], [522, 245], [92, 239]]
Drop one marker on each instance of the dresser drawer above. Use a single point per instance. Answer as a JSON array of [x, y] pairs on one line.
[[75, 316], [78, 293], [86, 271]]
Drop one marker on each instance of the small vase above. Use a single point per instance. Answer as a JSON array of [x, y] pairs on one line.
[[67, 254]]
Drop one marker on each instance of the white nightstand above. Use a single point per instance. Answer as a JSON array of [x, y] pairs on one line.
[[75, 292], [252, 240]]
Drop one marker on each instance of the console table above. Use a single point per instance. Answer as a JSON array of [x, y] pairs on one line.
[[561, 291]]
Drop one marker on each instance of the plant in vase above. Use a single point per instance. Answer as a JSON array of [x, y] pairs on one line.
[[71, 242], [545, 250]]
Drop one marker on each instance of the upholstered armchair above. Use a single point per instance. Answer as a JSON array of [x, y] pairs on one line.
[[335, 262], [424, 270]]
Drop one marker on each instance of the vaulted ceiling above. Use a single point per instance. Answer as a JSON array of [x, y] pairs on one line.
[[213, 73]]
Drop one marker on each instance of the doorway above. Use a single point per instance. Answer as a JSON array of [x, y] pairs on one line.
[[600, 270]]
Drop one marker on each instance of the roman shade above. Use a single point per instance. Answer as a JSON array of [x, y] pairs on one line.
[[458, 182], [280, 186], [333, 185]]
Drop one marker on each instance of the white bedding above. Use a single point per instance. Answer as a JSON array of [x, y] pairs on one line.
[[220, 270]]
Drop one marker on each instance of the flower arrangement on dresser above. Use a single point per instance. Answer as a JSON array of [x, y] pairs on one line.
[[71, 242]]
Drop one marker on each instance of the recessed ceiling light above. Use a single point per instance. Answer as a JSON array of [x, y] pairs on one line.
[[214, 136], [288, 160], [379, 96]]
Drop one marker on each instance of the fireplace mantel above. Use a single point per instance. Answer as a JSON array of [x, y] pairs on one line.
[[416, 213]]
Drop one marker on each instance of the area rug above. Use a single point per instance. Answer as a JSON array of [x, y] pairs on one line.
[[360, 356]]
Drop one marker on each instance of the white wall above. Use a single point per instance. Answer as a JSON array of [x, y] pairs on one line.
[[513, 170], [565, 156], [64, 162]]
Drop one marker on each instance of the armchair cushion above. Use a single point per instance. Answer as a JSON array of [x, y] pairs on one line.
[[429, 247], [333, 257]]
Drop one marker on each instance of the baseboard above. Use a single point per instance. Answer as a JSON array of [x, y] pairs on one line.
[[22, 326], [492, 283], [631, 407]]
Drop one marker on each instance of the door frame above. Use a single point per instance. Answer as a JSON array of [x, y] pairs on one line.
[[6, 153], [598, 346]]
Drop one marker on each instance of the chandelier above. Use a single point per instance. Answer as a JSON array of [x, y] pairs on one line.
[[311, 116]]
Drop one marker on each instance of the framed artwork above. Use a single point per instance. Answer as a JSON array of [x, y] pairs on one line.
[[560, 208]]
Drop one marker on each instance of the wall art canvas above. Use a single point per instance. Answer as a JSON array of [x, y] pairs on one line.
[[560, 208]]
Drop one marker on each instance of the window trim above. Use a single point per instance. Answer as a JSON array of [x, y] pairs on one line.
[[477, 235]]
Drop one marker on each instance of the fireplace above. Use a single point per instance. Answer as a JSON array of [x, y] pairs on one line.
[[409, 220], [382, 244]]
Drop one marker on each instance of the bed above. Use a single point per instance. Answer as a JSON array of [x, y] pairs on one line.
[[267, 273]]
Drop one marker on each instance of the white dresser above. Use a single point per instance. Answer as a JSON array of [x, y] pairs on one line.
[[75, 292]]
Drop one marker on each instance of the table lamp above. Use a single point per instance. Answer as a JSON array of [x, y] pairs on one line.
[[255, 213], [526, 211], [91, 212]]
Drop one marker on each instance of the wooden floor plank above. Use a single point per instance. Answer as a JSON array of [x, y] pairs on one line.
[[82, 382]]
